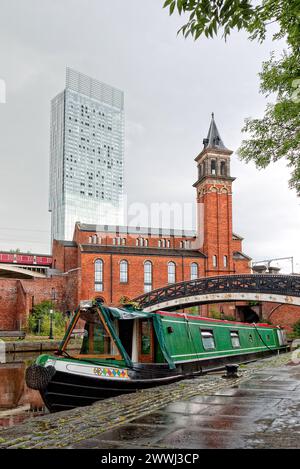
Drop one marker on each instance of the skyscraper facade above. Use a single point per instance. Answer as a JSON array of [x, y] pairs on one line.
[[86, 155]]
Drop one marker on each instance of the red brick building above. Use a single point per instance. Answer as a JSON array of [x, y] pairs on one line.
[[126, 261], [115, 262]]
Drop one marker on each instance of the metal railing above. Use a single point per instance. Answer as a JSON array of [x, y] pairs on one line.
[[288, 285]]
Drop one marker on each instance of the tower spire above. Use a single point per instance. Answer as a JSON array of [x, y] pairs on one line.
[[213, 139]]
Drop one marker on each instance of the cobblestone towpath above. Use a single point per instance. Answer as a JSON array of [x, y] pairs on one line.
[[259, 409]]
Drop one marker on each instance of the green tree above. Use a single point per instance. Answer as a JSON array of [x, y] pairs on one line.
[[296, 328], [277, 134], [39, 320]]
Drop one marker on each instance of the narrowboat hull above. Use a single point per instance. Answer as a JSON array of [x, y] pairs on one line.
[[67, 390]]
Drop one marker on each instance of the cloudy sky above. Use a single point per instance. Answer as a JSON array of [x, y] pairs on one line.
[[171, 87]]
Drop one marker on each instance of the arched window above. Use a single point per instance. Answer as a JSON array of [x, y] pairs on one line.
[[168, 243], [147, 276], [123, 241], [223, 168], [214, 261], [171, 272], [159, 243], [146, 243], [213, 167], [98, 275], [123, 271], [95, 239], [225, 261], [194, 271], [137, 241], [163, 243]]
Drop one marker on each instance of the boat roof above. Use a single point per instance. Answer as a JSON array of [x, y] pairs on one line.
[[207, 319], [131, 313]]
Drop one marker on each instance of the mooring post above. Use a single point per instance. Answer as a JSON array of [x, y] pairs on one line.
[[231, 371]]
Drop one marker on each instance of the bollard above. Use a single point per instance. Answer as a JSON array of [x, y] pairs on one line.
[[231, 371]]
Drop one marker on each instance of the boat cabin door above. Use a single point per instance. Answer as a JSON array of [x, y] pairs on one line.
[[144, 341]]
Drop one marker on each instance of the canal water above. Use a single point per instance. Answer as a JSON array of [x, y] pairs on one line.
[[17, 401]]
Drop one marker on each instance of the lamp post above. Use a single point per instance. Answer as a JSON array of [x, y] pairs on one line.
[[53, 298], [51, 324]]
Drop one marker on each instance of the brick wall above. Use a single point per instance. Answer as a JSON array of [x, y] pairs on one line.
[[65, 258], [241, 266], [17, 297], [114, 289], [8, 304], [284, 315], [217, 205]]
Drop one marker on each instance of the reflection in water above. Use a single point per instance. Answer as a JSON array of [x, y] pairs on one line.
[[17, 401]]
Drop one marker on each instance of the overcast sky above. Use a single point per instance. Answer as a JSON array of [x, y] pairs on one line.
[[171, 86]]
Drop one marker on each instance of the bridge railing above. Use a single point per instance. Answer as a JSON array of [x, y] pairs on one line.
[[288, 285]]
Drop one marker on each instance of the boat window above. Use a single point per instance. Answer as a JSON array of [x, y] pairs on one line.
[[145, 337], [90, 337], [235, 339], [208, 340]]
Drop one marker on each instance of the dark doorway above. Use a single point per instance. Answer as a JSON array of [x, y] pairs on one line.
[[247, 314], [125, 334]]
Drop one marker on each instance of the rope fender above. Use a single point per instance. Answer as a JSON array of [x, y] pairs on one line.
[[38, 377]]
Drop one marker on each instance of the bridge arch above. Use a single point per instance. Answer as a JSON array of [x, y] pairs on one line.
[[284, 289]]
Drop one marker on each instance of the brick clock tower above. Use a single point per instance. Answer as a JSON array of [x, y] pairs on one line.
[[214, 201]]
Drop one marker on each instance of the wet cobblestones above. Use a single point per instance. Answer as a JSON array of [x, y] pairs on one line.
[[98, 425]]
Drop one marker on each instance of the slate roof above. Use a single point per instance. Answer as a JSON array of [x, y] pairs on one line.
[[138, 251], [213, 139]]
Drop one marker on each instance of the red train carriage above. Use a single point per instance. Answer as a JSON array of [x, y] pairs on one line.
[[25, 259]]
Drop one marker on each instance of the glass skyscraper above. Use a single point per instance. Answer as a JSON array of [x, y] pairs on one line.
[[86, 155]]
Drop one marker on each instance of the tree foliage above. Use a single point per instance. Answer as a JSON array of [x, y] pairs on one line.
[[210, 16], [277, 134], [39, 320], [296, 328]]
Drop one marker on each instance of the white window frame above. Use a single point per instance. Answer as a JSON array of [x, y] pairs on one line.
[[171, 272], [98, 275]]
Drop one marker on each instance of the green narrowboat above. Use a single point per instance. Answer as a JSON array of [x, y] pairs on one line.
[[108, 351]]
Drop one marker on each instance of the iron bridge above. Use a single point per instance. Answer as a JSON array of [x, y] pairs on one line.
[[283, 289]]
